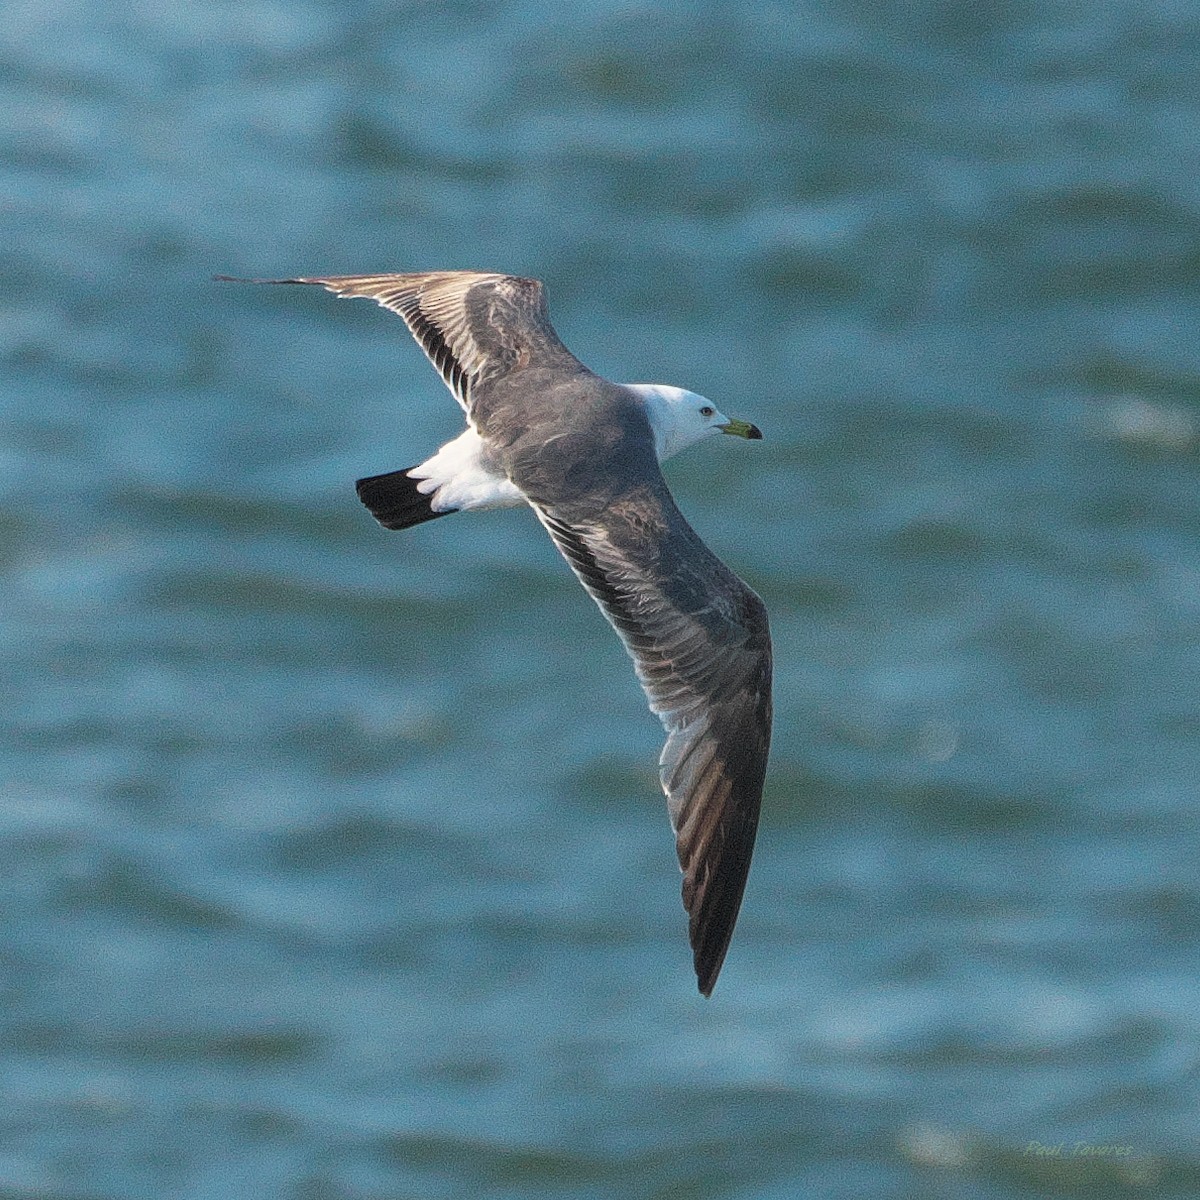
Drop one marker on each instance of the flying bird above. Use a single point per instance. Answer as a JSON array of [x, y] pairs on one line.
[[584, 454]]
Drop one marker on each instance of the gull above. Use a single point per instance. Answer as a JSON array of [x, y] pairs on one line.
[[584, 454]]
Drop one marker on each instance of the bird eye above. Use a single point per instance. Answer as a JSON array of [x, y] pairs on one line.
[[707, 411]]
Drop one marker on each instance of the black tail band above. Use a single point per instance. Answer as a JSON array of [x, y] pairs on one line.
[[395, 502]]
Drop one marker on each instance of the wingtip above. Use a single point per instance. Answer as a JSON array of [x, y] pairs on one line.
[[706, 975], [710, 944], [240, 279]]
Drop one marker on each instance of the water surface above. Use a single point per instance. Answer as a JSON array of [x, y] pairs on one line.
[[333, 864]]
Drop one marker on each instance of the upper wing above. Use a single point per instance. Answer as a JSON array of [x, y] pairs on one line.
[[473, 326], [702, 649]]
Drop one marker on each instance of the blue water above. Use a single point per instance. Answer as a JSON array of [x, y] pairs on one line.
[[333, 865]]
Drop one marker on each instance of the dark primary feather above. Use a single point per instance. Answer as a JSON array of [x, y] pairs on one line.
[[701, 645]]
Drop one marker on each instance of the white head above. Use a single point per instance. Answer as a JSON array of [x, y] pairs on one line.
[[680, 418]]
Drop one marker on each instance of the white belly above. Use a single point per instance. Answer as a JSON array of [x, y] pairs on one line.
[[455, 478]]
